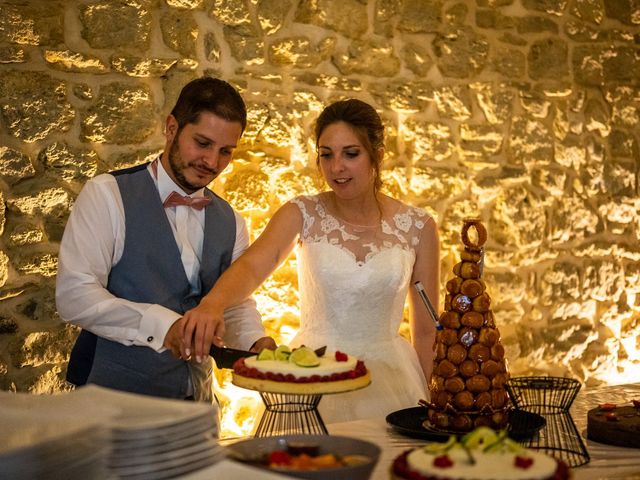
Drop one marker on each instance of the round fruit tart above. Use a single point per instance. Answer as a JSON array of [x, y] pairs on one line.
[[482, 454], [300, 371]]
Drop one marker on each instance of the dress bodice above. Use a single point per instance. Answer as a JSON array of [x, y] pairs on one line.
[[353, 283], [353, 280]]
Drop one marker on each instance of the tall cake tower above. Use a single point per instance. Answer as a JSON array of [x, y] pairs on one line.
[[467, 385]]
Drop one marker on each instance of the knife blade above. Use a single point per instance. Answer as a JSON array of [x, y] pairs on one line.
[[225, 357]]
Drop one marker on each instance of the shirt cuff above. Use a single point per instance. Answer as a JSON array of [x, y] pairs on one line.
[[154, 325]]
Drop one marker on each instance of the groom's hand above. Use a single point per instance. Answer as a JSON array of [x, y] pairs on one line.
[[173, 340], [203, 326]]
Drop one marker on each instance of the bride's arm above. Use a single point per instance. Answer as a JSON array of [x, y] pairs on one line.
[[426, 270], [203, 323]]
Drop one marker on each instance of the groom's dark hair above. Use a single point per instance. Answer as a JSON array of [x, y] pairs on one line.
[[208, 94]]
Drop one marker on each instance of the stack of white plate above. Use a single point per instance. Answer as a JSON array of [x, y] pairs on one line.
[[36, 446], [157, 438], [149, 438]]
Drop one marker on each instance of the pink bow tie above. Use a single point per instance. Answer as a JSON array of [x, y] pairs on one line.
[[175, 199]]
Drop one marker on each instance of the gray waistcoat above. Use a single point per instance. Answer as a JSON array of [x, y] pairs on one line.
[[150, 271]]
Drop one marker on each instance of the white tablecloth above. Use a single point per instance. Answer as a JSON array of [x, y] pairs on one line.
[[607, 462]]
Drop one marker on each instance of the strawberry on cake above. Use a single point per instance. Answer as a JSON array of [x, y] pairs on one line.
[[482, 454], [300, 371]]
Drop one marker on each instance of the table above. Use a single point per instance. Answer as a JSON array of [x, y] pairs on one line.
[[607, 462]]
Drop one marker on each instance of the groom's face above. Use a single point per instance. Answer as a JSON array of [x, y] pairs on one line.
[[198, 152]]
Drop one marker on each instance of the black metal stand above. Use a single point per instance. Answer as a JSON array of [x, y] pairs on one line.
[[551, 397], [287, 414]]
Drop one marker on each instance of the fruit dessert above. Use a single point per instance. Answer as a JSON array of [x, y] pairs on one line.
[[482, 454], [615, 424], [467, 385], [300, 371], [309, 458]]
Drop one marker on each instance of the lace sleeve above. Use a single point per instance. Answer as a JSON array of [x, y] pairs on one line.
[[420, 219], [307, 220]]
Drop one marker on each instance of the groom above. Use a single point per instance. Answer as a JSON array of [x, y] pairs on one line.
[[144, 245]]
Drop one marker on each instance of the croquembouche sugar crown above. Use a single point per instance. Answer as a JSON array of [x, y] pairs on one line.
[[467, 384]]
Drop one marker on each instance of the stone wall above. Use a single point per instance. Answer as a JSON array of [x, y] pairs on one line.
[[524, 112]]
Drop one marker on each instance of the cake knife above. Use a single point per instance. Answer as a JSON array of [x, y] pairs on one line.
[[427, 303]]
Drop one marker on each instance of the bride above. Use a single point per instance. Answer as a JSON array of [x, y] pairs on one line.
[[359, 252]]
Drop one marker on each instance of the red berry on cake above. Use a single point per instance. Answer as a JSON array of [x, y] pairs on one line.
[[341, 357], [443, 461], [523, 462], [611, 417]]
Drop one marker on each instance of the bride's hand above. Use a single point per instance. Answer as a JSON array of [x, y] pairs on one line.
[[202, 327]]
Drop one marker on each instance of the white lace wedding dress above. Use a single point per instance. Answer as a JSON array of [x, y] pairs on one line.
[[353, 282]]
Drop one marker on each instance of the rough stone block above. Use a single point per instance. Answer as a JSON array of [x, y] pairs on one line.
[[518, 219], [33, 106], [132, 18], [69, 163], [231, 12], [371, 57], [180, 32], [14, 165], [348, 17], [119, 115], [13, 54], [272, 14], [69, 61], [553, 7], [591, 11], [461, 53], [548, 58], [297, 52], [246, 45], [625, 11], [420, 16], [32, 23]]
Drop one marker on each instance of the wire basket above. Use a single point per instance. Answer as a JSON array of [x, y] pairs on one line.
[[544, 394], [551, 397]]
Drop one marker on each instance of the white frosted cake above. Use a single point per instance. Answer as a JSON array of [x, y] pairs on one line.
[[300, 371], [482, 454]]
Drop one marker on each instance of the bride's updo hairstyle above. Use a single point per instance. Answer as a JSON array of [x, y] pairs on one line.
[[366, 124]]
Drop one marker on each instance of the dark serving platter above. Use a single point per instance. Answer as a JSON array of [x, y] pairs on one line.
[[412, 422]]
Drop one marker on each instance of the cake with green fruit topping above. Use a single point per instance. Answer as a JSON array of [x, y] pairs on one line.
[[482, 454], [300, 371]]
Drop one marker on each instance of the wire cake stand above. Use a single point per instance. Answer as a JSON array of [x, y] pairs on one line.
[[293, 413], [551, 397], [287, 414]]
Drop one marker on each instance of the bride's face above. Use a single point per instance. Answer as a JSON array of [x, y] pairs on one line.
[[344, 161]]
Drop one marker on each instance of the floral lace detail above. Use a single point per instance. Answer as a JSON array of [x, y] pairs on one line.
[[401, 229]]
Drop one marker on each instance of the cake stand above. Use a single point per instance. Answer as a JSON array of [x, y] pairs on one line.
[[289, 413]]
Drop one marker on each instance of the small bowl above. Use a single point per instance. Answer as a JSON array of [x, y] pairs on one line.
[[543, 394], [252, 450]]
